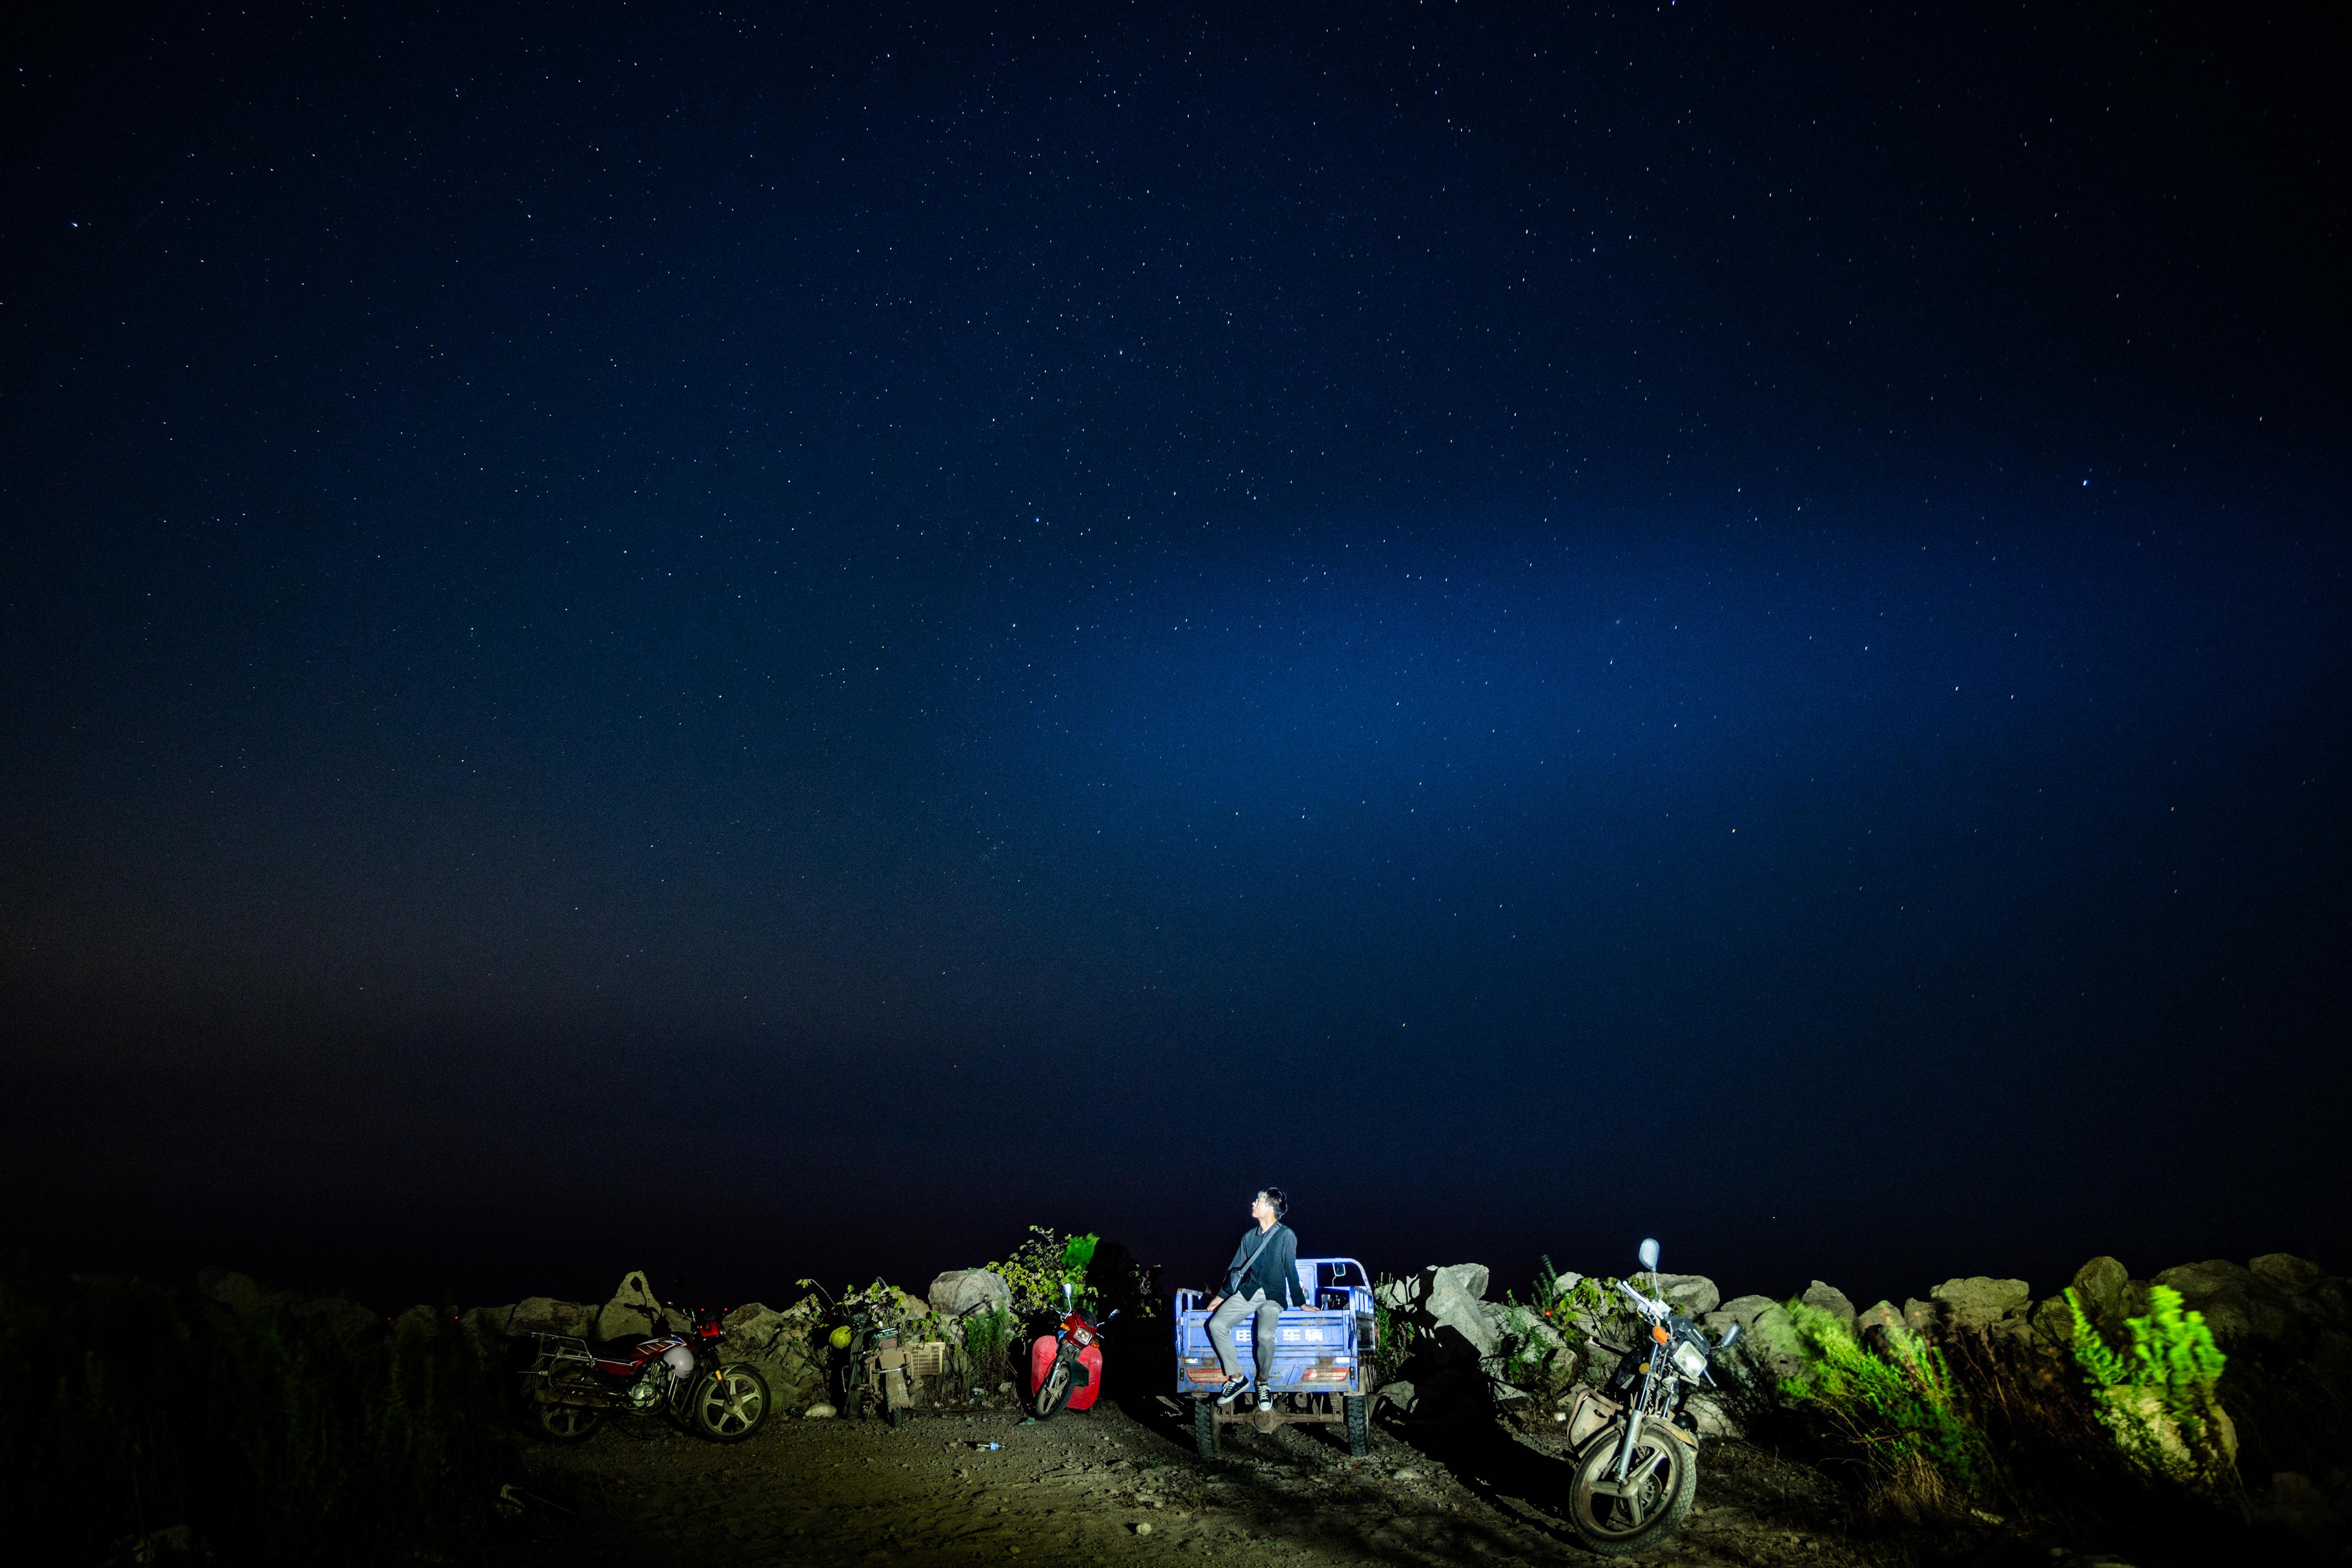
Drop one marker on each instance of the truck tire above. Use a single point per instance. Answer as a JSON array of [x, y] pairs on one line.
[[1205, 1428], [1359, 1438]]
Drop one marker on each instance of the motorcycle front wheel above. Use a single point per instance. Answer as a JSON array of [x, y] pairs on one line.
[[1056, 1389], [1659, 1489], [729, 1403], [567, 1423]]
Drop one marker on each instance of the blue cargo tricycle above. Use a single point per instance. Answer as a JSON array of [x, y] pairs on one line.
[[1322, 1358]]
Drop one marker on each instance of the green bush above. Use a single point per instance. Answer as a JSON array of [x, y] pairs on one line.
[[987, 1343], [1042, 1265], [1389, 1348], [2169, 1378], [1900, 1413]]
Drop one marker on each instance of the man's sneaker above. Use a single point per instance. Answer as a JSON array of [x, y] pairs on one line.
[[1264, 1397], [1231, 1390]]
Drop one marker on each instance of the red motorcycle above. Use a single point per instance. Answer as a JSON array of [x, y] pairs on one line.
[[1066, 1366], [573, 1384]]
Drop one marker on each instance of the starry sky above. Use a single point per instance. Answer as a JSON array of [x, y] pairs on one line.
[[768, 641]]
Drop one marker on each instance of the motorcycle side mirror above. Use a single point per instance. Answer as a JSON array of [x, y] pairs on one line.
[[1649, 1254], [1730, 1336]]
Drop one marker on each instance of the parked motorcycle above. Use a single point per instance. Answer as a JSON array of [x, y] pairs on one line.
[[873, 1366], [1066, 1366], [1636, 1456], [574, 1384]]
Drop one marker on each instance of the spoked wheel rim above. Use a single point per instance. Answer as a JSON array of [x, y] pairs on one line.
[[568, 1422], [1056, 1388], [1651, 1483], [731, 1403]]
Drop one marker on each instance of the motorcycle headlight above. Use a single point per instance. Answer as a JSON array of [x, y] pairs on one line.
[[1690, 1360]]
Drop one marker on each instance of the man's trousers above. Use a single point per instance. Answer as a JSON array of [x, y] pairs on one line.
[[1228, 1312]]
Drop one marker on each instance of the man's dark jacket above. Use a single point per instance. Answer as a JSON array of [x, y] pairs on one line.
[[1274, 1270]]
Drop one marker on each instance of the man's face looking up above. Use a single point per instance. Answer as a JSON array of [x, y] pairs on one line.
[[1262, 1212]]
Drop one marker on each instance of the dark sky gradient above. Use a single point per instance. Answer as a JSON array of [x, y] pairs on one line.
[[778, 646]]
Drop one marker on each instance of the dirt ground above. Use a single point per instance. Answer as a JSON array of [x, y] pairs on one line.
[[1121, 1485]]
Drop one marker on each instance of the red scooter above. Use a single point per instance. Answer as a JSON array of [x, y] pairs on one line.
[[1066, 1366]]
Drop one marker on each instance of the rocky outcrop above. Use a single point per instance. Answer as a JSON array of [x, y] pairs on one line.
[[1830, 1299], [1693, 1295], [785, 1345], [632, 1311], [1770, 1349], [1976, 1304], [963, 1290], [1450, 1297], [1458, 1340]]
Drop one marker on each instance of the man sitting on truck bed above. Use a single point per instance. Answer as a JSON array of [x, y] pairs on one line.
[[1263, 1277]]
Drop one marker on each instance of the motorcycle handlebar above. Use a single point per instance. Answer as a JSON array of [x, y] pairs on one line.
[[1649, 1308]]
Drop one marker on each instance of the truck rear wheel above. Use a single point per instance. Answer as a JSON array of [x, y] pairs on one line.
[[1205, 1428], [1359, 1437]]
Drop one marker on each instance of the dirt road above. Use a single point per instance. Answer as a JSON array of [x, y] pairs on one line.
[[1123, 1487]]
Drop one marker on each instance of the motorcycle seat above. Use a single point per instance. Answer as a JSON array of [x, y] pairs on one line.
[[624, 1350]]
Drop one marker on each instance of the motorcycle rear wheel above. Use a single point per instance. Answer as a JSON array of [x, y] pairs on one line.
[[1614, 1525], [567, 1423], [731, 1403], [1055, 1391]]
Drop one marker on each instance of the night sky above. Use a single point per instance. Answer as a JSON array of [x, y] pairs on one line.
[[760, 643]]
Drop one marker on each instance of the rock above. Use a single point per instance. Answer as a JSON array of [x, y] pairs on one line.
[[1772, 1345], [1918, 1316], [1143, 1527], [2053, 1324], [1740, 1309], [778, 1344], [237, 1292], [631, 1312], [1415, 1475], [2286, 1272], [2101, 1283], [348, 1321], [1452, 1299], [1713, 1420], [546, 1315], [2162, 1437], [623, 1323], [1882, 1316], [1977, 1303], [2297, 1506], [1770, 1348], [1694, 1295], [962, 1290], [1830, 1299], [1400, 1393], [2236, 1304], [823, 1412]]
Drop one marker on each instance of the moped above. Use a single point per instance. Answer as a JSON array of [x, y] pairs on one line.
[[1066, 1366]]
